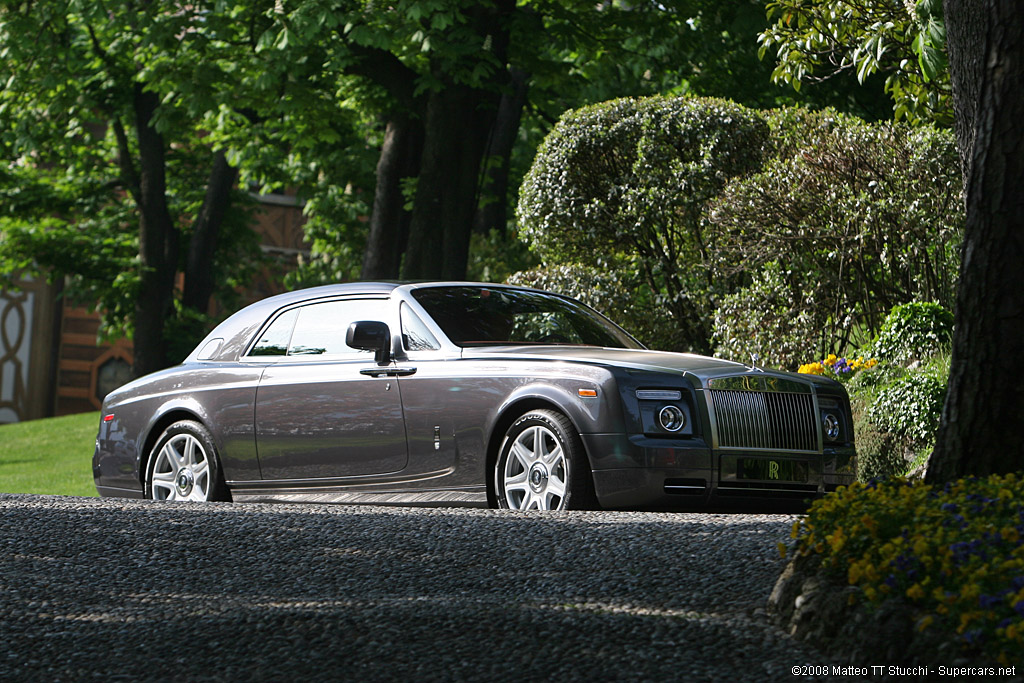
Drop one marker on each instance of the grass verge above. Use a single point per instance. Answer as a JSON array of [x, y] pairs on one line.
[[51, 456]]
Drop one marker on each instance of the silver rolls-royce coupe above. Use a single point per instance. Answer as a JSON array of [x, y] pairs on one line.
[[464, 394]]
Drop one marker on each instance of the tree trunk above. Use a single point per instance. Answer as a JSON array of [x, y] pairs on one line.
[[199, 275], [964, 36], [457, 124], [158, 242], [980, 429], [492, 213], [389, 221]]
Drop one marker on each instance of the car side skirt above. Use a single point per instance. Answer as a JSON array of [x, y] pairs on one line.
[[464, 497]]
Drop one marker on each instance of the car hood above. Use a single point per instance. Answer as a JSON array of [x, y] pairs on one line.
[[701, 368]]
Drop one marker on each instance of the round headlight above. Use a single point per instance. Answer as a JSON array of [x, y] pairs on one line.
[[671, 418], [831, 425]]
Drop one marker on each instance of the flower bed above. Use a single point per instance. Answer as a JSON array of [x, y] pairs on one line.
[[954, 555], [841, 369]]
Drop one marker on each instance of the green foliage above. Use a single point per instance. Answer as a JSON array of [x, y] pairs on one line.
[[617, 293], [818, 40], [914, 331], [896, 415], [635, 176], [911, 407], [496, 256], [70, 197], [766, 320], [896, 409], [864, 216], [880, 454], [953, 556], [48, 457]]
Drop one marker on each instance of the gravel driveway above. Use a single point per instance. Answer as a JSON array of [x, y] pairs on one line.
[[111, 589]]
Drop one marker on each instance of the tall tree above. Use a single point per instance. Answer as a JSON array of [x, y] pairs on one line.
[[979, 432], [83, 114], [462, 92]]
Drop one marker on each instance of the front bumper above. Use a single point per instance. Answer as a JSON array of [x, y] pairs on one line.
[[639, 472]]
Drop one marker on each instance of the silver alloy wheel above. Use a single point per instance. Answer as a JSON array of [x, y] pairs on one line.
[[181, 470], [536, 471]]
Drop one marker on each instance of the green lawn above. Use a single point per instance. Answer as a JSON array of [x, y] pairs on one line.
[[52, 456]]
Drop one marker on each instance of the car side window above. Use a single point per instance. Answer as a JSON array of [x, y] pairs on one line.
[[415, 335], [321, 327], [274, 340]]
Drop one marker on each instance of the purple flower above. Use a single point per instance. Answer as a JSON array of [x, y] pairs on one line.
[[974, 636], [990, 601]]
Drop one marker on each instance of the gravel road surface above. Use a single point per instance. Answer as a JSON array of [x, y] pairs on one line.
[[112, 589]]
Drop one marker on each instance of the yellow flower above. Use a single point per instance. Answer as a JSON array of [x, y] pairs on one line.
[[836, 540], [811, 369], [915, 592], [965, 620], [925, 623]]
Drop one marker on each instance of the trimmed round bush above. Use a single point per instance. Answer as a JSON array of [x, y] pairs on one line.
[[632, 179]]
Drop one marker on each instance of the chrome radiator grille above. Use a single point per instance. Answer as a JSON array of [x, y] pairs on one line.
[[764, 420]]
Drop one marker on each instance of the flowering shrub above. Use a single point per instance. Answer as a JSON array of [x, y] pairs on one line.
[[841, 369], [955, 554]]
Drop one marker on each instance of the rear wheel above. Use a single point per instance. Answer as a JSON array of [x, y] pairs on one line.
[[184, 466], [543, 466]]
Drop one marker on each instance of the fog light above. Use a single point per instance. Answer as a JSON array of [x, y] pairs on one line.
[[831, 425], [671, 419]]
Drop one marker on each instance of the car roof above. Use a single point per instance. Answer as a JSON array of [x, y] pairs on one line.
[[238, 328]]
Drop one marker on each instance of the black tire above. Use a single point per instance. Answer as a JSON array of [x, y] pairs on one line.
[[542, 465], [184, 465]]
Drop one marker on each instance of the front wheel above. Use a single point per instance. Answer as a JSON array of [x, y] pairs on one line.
[[542, 465], [183, 465]]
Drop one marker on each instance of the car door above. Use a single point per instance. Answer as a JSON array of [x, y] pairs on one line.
[[317, 416]]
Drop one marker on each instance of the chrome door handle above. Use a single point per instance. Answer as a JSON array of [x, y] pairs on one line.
[[388, 372]]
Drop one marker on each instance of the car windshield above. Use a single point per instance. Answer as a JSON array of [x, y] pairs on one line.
[[472, 316]]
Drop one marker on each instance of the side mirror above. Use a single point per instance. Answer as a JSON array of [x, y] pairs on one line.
[[371, 335]]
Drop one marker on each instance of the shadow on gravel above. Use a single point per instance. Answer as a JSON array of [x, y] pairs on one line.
[[101, 589]]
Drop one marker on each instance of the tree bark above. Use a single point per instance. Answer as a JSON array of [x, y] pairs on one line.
[[158, 241], [458, 121], [457, 124], [199, 275], [980, 429], [492, 212], [965, 31], [389, 221]]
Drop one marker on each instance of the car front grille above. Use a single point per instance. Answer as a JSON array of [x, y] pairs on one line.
[[764, 420]]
